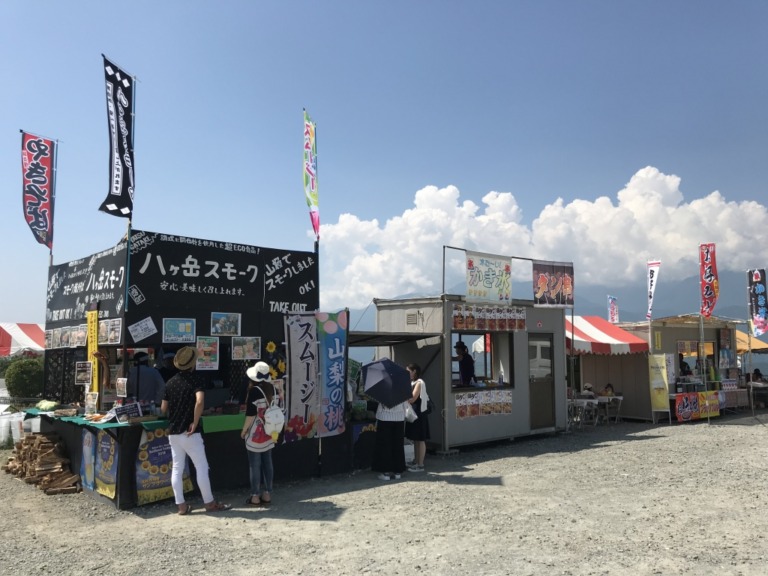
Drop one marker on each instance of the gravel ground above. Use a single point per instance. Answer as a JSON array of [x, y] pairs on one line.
[[630, 498]]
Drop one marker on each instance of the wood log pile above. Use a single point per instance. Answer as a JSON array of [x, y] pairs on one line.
[[41, 459]]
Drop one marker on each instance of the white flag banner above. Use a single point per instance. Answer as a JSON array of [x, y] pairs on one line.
[[653, 278]]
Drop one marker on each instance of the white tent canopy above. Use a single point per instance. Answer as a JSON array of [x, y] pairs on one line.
[[16, 338]]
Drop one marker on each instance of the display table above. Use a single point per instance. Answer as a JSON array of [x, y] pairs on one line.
[[129, 465]]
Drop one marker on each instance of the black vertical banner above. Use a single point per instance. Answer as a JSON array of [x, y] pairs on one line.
[[120, 93]]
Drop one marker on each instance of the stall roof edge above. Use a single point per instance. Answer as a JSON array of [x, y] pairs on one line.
[[686, 320], [387, 338]]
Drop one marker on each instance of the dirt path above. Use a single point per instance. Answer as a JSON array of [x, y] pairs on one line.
[[622, 499]]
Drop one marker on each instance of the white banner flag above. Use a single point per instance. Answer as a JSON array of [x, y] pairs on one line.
[[653, 278]]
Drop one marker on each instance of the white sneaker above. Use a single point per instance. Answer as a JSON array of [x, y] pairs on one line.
[[415, 468], [396, 476], [384, 477]]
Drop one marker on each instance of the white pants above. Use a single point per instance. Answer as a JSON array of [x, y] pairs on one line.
[[192, 446]]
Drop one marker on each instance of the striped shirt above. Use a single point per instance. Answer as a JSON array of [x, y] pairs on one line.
[[394, 414]]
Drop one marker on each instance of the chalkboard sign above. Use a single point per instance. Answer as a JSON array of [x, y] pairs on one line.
[[132, 410]]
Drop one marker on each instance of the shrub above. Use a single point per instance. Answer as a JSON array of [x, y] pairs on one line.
[[24, 378]]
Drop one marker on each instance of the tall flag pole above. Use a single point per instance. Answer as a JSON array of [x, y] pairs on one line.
[[38, 168], [310, 173], [120, 100]]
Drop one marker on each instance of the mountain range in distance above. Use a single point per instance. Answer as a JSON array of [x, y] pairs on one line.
[[670, 299]]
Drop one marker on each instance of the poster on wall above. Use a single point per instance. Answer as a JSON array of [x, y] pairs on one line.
[[246, 348], [115, 331], [179, 330], [121, 387], [488, 318], [103, 331], [225, 324], [83, 371], [208, 352], [553, 284], [142, 329]]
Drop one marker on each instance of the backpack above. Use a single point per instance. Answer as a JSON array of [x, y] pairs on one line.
[[274, 419], [272, 424]]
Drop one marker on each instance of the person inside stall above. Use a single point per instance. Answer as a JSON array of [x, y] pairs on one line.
[[587, 392], [466, 364], [145, 383], [757, 376], [685, 370], [607, 390], [167, 369]]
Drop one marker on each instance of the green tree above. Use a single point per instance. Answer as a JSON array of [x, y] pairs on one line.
[[24, 378]]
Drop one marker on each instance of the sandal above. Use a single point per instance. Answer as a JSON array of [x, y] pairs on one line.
[[185, 511], [266, 502], [217, 507], [249, 501]]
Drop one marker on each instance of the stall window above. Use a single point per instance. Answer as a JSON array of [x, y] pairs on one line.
[[478, 349], [693, 354], [540, 356]]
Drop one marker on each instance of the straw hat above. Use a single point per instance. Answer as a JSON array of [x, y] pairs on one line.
[[185, 358]]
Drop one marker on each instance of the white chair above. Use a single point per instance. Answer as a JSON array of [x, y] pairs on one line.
[[613, 409]]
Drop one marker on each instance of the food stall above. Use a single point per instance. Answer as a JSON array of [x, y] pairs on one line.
[[158, 292], [602, 353], [691, 376], [519, 383]]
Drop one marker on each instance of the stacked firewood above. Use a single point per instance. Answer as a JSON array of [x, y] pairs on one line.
[[40, 459]]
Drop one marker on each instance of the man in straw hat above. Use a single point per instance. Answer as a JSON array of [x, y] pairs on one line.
[[183, 403]]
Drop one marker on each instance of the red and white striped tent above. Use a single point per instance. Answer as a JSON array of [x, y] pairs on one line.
[[595, 335], [16, 338]]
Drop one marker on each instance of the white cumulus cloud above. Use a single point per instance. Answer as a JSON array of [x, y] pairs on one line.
[[609, 239]]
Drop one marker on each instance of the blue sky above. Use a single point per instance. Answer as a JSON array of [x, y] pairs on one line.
[[603, 133]]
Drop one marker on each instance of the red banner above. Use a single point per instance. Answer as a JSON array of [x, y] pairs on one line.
[[710, 287], [37, 167]]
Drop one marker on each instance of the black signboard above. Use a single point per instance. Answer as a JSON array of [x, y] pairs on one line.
[[182, 277], [74, 286]]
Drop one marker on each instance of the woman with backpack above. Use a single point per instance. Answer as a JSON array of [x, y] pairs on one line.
[[258, 443], [418, 430]]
